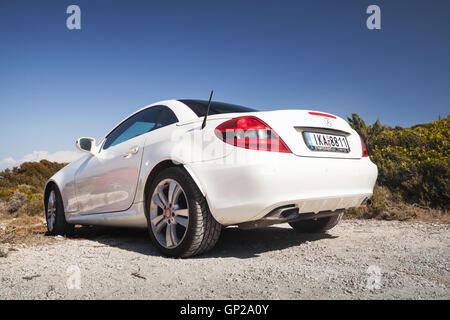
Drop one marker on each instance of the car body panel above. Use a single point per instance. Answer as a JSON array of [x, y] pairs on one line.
[[65, 180], [249, 188], [134, 217], [108, 181], [187, 144], [290, 124]]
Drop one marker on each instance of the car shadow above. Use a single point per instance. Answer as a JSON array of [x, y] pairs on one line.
[[233, 242], [131, 239]]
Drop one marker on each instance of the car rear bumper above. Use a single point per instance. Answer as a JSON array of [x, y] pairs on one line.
[[243, 189]]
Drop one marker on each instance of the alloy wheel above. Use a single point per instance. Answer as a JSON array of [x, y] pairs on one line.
[[169, 213]]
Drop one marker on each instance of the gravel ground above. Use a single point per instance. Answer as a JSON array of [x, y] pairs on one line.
[[356, 260]]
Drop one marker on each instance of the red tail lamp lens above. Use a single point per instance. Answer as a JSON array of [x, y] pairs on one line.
[[250, 133], [364, 149]]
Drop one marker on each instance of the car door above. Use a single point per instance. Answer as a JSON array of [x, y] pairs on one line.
[[107, 182]]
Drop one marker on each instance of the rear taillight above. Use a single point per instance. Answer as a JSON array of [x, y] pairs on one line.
[[250, 133], [364, 149]]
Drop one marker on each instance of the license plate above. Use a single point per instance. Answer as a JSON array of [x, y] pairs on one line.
[[326, 142]]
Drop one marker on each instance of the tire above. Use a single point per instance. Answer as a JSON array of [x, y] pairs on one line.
[[165, 219], [317, 226], [55, 215]]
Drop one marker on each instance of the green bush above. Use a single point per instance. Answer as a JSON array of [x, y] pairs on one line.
[[412, 162], [21, 188], [30, 178]]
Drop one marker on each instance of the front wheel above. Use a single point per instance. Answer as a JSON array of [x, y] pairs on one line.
[[179, 221], [318, 225], [54, 214]]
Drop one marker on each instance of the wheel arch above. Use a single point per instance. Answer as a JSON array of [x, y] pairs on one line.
[[51, 183], [47, 188], [160, 166]]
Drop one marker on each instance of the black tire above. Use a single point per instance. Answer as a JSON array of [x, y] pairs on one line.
[[317, 226], [60, 225], [203, 230]]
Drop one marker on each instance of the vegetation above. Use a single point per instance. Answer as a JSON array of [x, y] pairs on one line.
[[413, 168], [21, 188], [21, 206]]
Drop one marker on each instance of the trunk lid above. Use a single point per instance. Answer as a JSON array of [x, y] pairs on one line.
[[291, 126]]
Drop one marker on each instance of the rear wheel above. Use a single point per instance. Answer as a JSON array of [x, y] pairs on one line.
[[179, 221], [54, 214], [318, 225]]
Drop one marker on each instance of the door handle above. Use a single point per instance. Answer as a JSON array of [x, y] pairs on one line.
[[132, 151]]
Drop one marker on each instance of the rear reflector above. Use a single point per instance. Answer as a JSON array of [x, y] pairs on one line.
[[321, 114], [250, 133]]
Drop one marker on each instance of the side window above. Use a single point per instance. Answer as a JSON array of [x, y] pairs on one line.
[[138, 124], [166, 117], [141, 123]]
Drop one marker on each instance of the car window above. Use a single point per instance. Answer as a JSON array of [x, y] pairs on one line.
[[140, 123], [166, 117]]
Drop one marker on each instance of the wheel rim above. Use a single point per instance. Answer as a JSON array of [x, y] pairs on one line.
[[51, 211], [169, 213]]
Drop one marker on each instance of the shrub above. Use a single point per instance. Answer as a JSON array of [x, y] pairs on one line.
[[34, 207], [21, 188], [33, 175], [17, 202], [412, 162]]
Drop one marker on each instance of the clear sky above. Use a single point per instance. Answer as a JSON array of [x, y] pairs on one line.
[[58, 84]]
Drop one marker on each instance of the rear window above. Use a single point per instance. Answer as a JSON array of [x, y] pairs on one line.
[[200, 107]]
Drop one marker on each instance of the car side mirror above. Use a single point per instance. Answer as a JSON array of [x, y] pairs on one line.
[[86, 145]]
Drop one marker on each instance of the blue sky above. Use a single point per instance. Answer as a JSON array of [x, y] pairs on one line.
[[58, 84]]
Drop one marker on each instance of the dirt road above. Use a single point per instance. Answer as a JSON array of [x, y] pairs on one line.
[[356, 260]]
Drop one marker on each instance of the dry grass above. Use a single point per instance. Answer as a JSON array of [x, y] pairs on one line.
[[404, 213], [390, 206], [22, 229]]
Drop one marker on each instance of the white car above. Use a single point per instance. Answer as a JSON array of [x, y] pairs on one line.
[[183, 176]]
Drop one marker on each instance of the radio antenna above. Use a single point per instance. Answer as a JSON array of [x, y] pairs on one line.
[[207, 110]]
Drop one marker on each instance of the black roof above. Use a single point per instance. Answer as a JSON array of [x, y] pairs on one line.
[[200, 107]]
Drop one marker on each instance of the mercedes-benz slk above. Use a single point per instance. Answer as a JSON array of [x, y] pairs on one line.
[[184, 177]]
